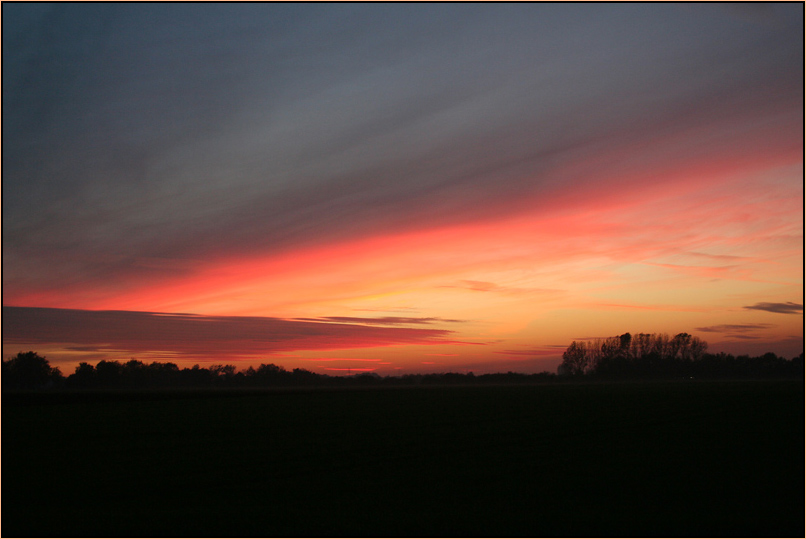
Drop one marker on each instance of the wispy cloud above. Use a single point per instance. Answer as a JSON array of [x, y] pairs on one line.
[[741, 332], [722, 258], [733, 328], [542, 351], [342, 359], [480, 286], [711, 272], [648, 307], [486, 286], [780, 308], [380, 321]]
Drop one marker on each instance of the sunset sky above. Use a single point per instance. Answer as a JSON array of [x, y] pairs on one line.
[[399, 188]]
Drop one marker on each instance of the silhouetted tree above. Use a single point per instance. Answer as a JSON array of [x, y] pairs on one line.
[[796, 366], [654, 354], [135, 373], [163, 374], [222, 375], [83, 377], [575, 359], [108, 373], [29, 370], [304, 376], [616, 360], [268, 375]]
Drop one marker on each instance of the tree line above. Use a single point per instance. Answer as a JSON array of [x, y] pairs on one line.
[[29, 370], [622, 357], [657, 355]]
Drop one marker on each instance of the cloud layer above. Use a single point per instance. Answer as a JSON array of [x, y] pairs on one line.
[[191, 336]]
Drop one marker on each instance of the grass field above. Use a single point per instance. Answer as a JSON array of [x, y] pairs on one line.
[[617, 459]]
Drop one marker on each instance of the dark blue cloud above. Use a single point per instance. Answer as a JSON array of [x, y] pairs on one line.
[[780, 308], [198, 336], [733, 328]]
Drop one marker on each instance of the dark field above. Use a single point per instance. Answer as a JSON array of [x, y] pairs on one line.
[[655, 459]]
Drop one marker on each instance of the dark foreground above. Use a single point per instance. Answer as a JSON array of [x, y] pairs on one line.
[[656, 459]]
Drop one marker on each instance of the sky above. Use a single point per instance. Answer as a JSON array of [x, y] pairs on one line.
[[399, 188]]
